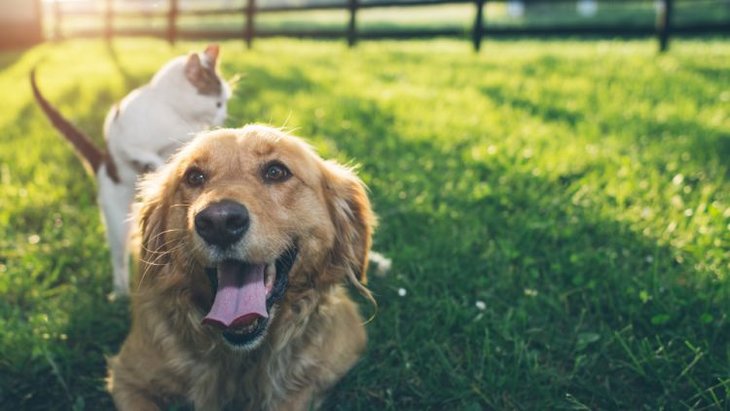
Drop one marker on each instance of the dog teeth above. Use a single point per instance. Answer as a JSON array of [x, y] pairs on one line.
[[270, 275], [247, 329]]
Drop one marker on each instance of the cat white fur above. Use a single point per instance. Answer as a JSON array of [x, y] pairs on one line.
[[141, 132], [148, 126]]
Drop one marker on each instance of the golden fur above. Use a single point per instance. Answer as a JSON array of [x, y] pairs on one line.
[[316, 333]]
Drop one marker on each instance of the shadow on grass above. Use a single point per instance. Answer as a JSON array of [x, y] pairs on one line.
[[90, 122], [549, 112], [250, 107], [573, 300], [9, 57], [58, 325], [706, 145], [712, 75], [68, 373], [131, 82]]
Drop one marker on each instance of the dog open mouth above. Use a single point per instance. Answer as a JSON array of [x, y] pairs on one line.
[[243, 294]]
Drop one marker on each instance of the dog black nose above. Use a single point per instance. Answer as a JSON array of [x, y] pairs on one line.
[[222, 223]]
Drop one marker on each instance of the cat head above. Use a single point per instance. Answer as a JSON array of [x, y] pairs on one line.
[[201, 70], [194, 84]]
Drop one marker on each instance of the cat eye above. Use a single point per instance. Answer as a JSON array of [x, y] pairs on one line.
[[218, 104], [194, 177], [275, 172]]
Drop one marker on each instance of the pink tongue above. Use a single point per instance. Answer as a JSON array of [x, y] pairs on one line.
[[241, 296]]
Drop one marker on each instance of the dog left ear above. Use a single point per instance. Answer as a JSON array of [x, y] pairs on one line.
[[354, 221], [150, 217]]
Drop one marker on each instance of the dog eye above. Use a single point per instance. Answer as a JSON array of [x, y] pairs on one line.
[[194, 177], [276, 172], [218, 104]]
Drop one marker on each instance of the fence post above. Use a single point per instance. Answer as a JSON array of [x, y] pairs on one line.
[[352, 26], [478, 31], [172, 22], [664, 23], [57, 16], [248, 29], [108, 28]]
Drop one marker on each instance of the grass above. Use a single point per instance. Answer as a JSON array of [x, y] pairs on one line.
[[558, 214]]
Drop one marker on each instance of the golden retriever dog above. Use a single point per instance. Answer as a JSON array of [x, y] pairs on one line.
[[248, 240]]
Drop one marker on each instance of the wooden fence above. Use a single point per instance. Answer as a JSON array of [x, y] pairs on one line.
[[663, 28]]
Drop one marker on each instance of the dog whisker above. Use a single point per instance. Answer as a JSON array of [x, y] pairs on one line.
[[170, 230], [159, 256], [161, 246], [166, 251]]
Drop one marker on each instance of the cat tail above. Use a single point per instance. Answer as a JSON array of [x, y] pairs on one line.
[[91, 155]]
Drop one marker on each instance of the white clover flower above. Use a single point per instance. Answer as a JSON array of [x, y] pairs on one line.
[[678, 179]]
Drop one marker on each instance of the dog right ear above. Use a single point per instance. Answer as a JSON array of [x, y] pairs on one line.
[[353, 221]]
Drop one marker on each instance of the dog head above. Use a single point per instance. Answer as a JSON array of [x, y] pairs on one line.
[[244, 222]]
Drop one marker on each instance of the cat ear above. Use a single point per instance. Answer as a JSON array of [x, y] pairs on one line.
[[211, 53], [193, 68]]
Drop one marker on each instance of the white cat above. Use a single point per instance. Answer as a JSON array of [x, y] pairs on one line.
[[186, 96]]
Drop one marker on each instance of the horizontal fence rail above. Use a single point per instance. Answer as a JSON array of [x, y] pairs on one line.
[[250, 9]]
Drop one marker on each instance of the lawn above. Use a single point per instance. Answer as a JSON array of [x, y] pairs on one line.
[[558, 214]]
